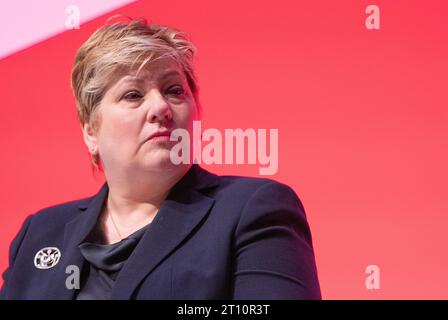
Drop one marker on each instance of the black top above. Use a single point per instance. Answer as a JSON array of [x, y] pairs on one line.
[[106, 261]]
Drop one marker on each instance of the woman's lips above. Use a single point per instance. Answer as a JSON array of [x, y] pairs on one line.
[[160, 136]]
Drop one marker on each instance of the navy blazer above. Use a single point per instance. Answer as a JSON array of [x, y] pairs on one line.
[[214, 237]]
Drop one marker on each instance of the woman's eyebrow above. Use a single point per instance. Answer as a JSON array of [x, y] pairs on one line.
[[161, 76], [170, 73], [132, 80]]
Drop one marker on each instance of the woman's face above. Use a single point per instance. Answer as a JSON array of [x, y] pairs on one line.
[[134, 108]]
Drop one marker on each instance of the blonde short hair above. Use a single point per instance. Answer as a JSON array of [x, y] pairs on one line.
[[120, 47]]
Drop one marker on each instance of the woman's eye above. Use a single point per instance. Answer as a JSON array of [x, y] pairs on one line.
[[132, 96], [176, 90]]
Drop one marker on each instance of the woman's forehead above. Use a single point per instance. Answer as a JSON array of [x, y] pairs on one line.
[[152, 71]]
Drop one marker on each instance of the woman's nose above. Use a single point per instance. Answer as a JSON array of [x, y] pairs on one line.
[[159, 110]]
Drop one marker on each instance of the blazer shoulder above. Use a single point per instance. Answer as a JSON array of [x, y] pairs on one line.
[[243, 190], [61, 212], [250, 185]]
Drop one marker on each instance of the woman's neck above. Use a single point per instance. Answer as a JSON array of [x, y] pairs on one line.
[[134, 200]]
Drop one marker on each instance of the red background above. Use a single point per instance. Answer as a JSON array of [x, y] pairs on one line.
[[362, 119]]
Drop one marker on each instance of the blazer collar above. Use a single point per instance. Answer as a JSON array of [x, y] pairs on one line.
[[196, 178], [183, 209]]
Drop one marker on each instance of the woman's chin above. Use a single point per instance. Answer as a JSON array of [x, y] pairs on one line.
[[159, 159]]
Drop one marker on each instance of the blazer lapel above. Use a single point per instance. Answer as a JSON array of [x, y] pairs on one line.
[[75, 232], [184, 208]]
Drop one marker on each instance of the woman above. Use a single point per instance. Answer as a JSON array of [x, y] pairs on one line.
[[156, 230]]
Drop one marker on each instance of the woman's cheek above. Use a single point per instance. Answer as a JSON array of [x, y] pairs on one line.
[[186, 117], [124, 125], [118, 132]]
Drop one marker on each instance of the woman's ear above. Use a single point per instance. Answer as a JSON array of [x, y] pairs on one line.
[[90, 138]]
